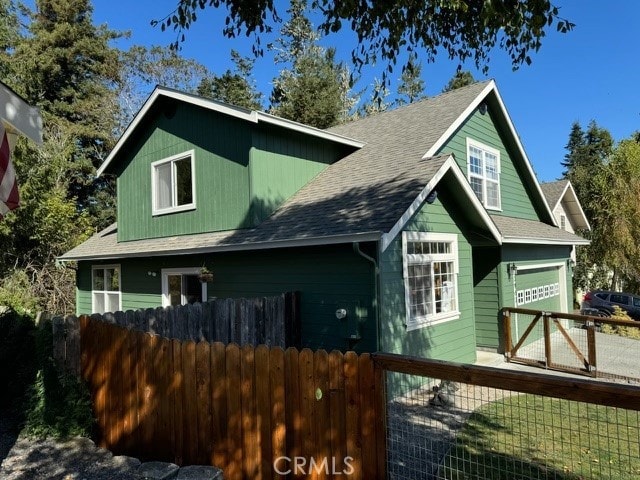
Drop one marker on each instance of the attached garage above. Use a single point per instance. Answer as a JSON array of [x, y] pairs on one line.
[[541, 287]]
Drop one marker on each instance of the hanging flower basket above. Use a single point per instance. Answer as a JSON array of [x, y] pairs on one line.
[[205, 277]]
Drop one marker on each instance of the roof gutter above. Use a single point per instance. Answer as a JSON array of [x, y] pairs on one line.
[[305, 242]]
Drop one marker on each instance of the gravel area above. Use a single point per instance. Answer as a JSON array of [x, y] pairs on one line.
[[75, 459]]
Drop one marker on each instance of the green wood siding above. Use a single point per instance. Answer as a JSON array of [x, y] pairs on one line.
[[515, 197], [452, 340], [242, 172], [281, 164], [486, 294], [328, 278], [221, 146]]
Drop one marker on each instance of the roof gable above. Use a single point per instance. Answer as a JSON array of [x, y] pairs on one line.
[[562, 192], [249, 116]]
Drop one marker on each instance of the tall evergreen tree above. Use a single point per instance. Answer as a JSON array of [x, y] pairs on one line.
[[308, 89], [235, 87], [460, 79], [411, 88], [64, 65]]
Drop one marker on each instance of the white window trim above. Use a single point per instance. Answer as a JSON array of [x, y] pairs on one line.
[[104, 292], [180, 208], [481, 146], [165, 272], [434, 319]]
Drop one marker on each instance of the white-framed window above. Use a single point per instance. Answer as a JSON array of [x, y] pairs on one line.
[[105, 288], [563, 222], [483, 170], [173, 183], [181, 286], [430, 268]]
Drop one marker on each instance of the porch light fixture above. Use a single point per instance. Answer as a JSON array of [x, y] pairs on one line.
[[482, 108], [513, 268], [433, 194]]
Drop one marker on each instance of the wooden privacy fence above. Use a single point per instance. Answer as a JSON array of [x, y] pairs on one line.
[[238, 408], [273, 321]]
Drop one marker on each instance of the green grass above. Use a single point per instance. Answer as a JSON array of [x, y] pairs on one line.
[[532, 437]]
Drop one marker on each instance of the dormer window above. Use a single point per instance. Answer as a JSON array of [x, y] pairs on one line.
[[173, 184], [483, 169]]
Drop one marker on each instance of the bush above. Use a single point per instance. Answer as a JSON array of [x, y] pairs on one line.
[[621, 330], [59, 405], [17, 357]]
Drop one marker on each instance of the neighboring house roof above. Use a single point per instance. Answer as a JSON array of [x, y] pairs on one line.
[[368, 195], [562, 191], [520, 230]]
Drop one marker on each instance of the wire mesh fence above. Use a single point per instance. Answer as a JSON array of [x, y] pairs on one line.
[[606, 348], [463, 425]]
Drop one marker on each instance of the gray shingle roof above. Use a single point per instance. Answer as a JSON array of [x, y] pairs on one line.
[[553, 190], [519, 228], [364, 193]]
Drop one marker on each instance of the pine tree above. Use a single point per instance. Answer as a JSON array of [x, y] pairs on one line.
[[235, 87], [460, 79], [411, 88], [377, 101], [308, 89]]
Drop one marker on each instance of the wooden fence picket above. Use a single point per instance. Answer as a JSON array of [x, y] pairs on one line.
[[239, 408]]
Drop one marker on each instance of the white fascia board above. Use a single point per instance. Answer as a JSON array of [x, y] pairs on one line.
[[543, 241], [230, 110], [491, 87], [449, 164], [305, 242], [21, 116], [302, 128], [568, 188]]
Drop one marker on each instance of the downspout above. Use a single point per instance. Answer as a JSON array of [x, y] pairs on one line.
[[376, 283]]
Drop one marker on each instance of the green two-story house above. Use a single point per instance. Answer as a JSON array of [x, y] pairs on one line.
[[405, 231]]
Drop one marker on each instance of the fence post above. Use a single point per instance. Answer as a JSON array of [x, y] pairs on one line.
[[547, 340], [591, 346], [381, 418], [506, 322]]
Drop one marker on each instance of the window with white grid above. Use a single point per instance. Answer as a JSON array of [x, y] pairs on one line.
[[105, 288], [430, 265], [483, 168]]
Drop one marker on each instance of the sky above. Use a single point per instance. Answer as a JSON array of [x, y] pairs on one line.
[[588, 74]]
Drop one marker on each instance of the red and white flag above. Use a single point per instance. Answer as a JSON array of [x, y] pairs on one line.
[[9, 198]]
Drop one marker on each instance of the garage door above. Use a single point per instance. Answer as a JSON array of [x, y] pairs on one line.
[[541, 288]]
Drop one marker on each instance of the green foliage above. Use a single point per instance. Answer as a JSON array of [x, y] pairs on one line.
[[469, 29], [17, 356], [235, 87], [411, 88], [460, 79], [59, 405], [16, 293]]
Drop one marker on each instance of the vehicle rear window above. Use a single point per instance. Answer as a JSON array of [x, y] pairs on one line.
[[622, 299], [602, 296], [636, 301]]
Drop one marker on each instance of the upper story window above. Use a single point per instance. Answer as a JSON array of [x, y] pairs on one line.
[[563, 222], [173, 184], [105, 288], [483, 167], [430, 268]]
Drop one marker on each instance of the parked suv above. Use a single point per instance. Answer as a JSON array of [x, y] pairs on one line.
[[600, 302]]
